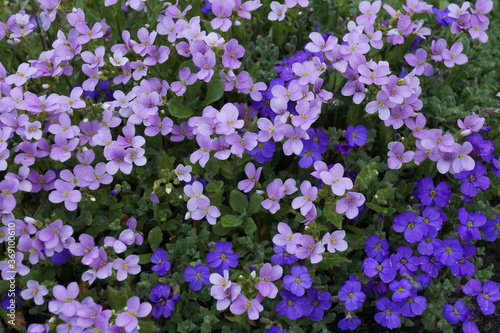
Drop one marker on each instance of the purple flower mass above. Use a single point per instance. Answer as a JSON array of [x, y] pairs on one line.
[[177, 133]]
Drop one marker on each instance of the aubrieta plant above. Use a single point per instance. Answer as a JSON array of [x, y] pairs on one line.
[[236, 166]]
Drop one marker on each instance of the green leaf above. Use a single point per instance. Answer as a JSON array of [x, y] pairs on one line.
[[238, 201], [215, 186], [231, 221], [178, 109], [155, 237], [255, 204], [250, 226], [215, 90], [385, 193], [145, 258], [332, 260], [333, 217]]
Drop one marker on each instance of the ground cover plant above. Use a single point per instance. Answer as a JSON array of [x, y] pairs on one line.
[[236, 166]]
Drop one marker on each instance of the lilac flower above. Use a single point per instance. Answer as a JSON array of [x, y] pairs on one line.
[[135, 309], [298, 281], [163, 306], [13, 266], [428, 194], [457, 313], [412, 225], [223, 257], [65, 302], [241, 304], [350, 204], [389, 317], [470, 124], [305, 202], [310, 249], [127, 266], [85, 248], [319, 303], [65, 192], [454, 55], [357, 136], [159, 258], [351, 294], [23, 73], [418, 61], [197, 276], [335, 241], [278, 11], [253, 175], [54, 235], [397, 155], [334, 178], [268, 274], [292, 306], [275, 192]]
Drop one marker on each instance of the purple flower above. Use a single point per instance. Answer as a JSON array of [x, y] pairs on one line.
[[402, 289], [282, 257], [413, 306], [351, 294], [488, 295], [263, 152], [377, 248], [473, 180], [449, 251], [356, 136], [404, 261], [268, 274], [470, 222], [385, 270], [442, 17], [298, 281], [456, 313], [349, 323], [464, 267], [135, 309], [428, 194], [491, 229], [163, 306], [412, 225], [197, 276], [292, 306], [159, 258], [389, 316], [319, 303], [223, 257]]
